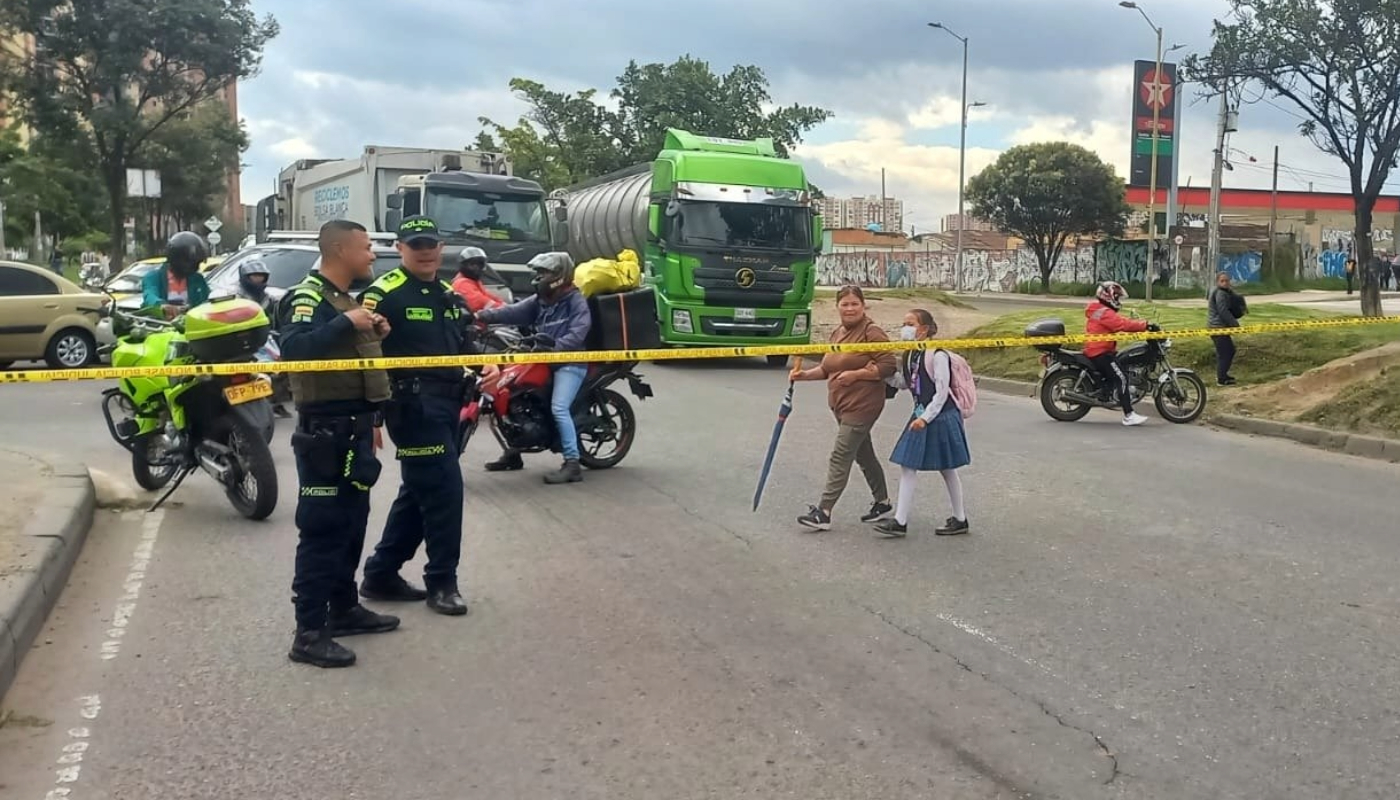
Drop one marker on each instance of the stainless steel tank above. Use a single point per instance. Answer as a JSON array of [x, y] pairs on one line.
[[608, 218]]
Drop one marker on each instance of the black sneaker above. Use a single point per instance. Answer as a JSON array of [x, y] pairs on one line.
[[357, 620], [816, 519], [392, 589], [1227, 381], [317, 648], [877, 512], [891, 528], [952, 527], [510, 461]]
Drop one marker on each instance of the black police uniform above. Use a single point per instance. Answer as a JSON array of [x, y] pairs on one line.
[[426, 318], [336, 466]]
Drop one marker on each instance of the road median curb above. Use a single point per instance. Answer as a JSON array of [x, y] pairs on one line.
[[1354, 444], [47, 548]]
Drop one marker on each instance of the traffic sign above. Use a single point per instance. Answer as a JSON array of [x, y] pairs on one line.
[[214, 238], [213, 224]]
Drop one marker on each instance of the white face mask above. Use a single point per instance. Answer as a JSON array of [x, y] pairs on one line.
[[908, 333]]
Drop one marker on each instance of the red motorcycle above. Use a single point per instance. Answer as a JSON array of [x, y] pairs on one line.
[[519, 415]]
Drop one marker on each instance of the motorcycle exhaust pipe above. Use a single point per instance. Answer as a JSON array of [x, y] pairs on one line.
[[215, 464], [1076, 397]]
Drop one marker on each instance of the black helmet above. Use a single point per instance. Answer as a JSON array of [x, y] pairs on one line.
[[552, 271], [185, 251]]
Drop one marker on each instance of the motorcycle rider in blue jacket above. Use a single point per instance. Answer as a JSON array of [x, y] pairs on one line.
[[557, 309]]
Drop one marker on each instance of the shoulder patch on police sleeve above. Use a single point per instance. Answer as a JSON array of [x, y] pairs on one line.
[[369, 301], [389, 281], [303, 309]]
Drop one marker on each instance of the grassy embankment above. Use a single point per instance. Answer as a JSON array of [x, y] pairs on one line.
[[1262, 357]]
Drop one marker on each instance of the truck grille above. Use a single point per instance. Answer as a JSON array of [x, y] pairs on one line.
[[723, 288]]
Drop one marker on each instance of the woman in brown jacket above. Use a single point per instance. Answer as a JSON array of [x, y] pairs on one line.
[[856, 394]]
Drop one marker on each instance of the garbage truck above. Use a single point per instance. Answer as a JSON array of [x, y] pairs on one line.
[[727, 232], [472, 196]]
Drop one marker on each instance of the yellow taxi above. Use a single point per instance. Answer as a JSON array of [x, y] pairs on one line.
[[46, 316]]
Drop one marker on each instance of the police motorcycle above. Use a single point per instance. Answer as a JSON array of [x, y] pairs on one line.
[[220, 424], [1070, 386]]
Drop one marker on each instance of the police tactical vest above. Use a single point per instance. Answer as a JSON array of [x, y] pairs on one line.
[[321, 387]]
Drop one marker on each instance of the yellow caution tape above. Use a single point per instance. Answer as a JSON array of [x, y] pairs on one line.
[[666, 354]]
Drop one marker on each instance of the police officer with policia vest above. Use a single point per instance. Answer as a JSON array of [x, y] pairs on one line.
[[334, 443], [428, 318]]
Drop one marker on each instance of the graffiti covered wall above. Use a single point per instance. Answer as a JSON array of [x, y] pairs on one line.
[[983, 270], [1337, 246]]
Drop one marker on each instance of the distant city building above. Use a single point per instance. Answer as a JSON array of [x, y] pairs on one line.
[[966, 222], [860, 212]]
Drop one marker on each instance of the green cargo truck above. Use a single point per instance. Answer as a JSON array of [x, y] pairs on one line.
[[726, 232]]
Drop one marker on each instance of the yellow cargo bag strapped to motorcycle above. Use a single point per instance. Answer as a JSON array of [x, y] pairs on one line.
[[606, 276]]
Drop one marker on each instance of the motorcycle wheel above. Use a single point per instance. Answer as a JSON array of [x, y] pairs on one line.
[[256, 495], [1049, 395], [148, 477], [1190, 410], [615, 422]]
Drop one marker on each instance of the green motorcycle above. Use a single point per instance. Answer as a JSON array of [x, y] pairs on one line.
[[218, 423]]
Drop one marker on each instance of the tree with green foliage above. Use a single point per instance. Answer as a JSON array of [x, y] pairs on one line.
[[194, 154], [115, 72], [1045, 193], [568, 138], [1338, 63], [42, 178]]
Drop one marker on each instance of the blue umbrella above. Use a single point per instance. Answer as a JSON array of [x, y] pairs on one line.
[[783, 411]]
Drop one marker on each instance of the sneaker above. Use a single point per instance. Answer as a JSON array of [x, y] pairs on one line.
[[357, 620], [1133, 419], [891, 529], [316, 647], [1228, 381], [391, 589], [877, 512], [816, 519], [952, 527], [510, 461]]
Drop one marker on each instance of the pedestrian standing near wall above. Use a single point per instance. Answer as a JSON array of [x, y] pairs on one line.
[[934, 439], [1223, 310], [856, 394]]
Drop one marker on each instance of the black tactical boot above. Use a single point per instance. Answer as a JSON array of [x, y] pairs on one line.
[[357, 619], [509, 461], [316, 647], [571, 472], [391, 589], [447, 600]]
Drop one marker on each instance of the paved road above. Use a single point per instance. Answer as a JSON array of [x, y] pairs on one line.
[[1159, 612]]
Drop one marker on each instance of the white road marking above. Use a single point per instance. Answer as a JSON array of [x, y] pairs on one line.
[[131, 587], [70, 762]]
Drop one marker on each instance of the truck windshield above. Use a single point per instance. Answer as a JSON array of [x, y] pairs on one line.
[[488, 216], [768, 227]]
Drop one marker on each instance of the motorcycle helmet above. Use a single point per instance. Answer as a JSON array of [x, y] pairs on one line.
[[246, 272], [471, 262], [184, 252], [553, 271], [1111, 294]]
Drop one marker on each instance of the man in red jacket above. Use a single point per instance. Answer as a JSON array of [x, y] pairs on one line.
[[1101, 316], [471, 267]]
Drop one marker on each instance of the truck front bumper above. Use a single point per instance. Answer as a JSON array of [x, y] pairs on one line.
[[717, 326]]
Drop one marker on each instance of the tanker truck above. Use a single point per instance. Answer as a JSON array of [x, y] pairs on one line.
[[726, 231]]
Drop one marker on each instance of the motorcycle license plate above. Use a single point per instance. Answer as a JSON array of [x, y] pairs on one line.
[[248, 392]]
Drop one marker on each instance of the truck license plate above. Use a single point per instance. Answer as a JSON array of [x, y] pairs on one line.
[[744, 315], [248, 392]]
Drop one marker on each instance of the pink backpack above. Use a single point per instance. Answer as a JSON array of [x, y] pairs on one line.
[[962, 386]]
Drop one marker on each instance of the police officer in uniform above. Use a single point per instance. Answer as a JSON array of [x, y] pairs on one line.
[[334, 444], [427, 318]]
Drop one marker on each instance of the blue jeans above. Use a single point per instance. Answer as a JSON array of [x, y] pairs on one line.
[[568, 379]]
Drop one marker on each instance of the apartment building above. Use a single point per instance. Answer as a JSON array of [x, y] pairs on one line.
[[861, 212]]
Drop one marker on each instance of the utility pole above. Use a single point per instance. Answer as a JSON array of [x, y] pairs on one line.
[[884, 221], [1217, 171], [1273, 219]]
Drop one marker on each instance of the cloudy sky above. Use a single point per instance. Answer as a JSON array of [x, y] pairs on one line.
[[347, 73]]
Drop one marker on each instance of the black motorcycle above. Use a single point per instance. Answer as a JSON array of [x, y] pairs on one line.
[[1070, 386]]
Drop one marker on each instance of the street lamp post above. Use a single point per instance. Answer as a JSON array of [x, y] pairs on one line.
[[1156, 131], [962, 157]]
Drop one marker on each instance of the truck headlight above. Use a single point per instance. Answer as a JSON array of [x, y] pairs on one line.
[[680, 320], [799, 324]]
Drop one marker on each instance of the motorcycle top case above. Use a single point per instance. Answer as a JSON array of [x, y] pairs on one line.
[[1046, 327], [231, 329], [624, 321]]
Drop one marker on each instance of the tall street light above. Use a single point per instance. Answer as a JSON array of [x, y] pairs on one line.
[[962, 156], [1157, 98]]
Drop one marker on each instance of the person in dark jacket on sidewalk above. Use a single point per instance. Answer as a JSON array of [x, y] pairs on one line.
[[1223, 310], [559, 310]]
